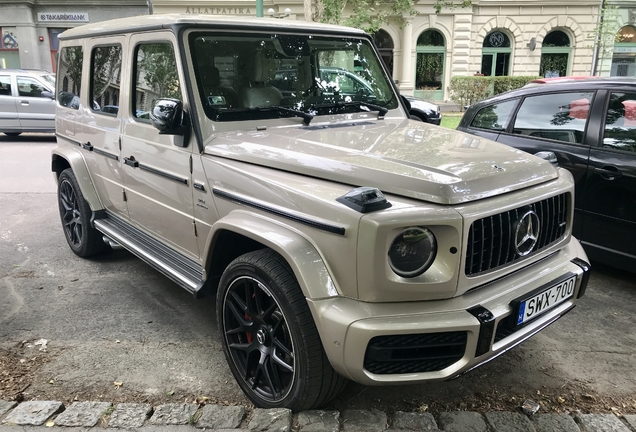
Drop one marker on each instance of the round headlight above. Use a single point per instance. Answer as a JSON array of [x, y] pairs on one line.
[[412, 252]]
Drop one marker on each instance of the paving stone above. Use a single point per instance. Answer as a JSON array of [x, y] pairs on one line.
[[600, 423], [630, 419], [82, 414], [363, 421], [502, 421], [5, 407], [319, 421], [462, 421], [554, 422], [221, 417], [174, 414], [271, 420], [129, 415], [414, 421], [33, 413]]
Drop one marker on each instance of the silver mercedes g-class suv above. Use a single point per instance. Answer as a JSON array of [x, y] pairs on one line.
[[342, 240]]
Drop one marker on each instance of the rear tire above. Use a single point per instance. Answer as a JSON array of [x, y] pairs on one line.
[[75, 214], [269, 337]]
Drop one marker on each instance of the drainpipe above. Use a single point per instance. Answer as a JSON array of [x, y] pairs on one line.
[[597, 42], [149, 3]]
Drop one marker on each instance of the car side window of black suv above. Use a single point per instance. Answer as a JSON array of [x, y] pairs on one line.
[[620, 122], [494, 117], [556, 116]]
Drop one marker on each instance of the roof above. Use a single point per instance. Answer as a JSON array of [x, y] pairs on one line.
[[155, 22]]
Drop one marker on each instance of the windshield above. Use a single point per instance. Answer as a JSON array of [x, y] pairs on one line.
[[49, 78], [244, 77]]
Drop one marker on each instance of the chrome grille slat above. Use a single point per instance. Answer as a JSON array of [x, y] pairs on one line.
[[486, 252]]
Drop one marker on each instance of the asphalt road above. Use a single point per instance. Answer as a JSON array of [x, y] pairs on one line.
[[115, 320]]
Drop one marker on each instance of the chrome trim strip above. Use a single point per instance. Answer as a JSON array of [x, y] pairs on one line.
[[105, 153], [164, 174], [296, 218]]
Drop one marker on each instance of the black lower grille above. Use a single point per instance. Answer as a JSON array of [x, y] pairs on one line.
[[427, 352], [491, 240]]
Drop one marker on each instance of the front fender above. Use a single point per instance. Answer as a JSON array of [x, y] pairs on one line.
[[68, 157], [305, 261]]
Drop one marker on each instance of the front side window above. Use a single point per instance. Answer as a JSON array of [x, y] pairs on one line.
[[105, 78], [244, 77], [156, 77], [559, 116], [494, 117], [620, 122], [29, 87], [69, 80]]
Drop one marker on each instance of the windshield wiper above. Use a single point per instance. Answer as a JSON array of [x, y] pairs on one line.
[[358, 104], [307, 118]]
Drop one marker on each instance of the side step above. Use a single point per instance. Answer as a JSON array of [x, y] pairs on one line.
[[180, 269]]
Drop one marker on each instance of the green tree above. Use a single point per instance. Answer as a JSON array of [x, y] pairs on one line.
[[604, 35]]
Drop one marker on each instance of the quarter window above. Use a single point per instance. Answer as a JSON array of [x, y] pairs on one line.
[[560, 116], [70, 77], [156, 77], [105, 78], [494, 117], [620, 122]]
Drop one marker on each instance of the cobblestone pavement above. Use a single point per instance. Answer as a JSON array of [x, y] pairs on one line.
[[100, 416]]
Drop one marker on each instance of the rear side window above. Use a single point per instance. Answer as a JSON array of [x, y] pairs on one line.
[[494, 117], [620, 122], [156, 77], [69, 80], [558, 116], [105, 79], [5, 85]]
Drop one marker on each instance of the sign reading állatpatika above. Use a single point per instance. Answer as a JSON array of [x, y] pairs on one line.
[[66, 16]]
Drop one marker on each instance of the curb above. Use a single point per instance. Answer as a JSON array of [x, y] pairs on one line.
[[101, 416]]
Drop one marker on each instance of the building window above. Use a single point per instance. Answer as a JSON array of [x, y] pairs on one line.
[[555, 55], [429, 67], [495, 54], [624, 58], [9, 55], [385, 46]]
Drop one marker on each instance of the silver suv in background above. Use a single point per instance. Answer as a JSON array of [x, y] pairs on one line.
[[27, 101]]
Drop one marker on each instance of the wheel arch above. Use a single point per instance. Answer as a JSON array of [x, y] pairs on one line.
[[63, 158], [241, 232]]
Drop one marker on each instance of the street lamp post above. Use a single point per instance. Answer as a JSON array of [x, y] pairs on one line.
[[259, 8]]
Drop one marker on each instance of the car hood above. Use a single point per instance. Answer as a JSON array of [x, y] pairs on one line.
[[402, 157]]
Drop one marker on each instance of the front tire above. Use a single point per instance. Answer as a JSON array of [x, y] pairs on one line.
[[75, 214], [269, 337]]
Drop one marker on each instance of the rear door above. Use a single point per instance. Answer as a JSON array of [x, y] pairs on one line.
[[36, 107], [8, 110], [157, 168], [610, 220]]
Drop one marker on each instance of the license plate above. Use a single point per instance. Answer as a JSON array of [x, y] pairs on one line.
[[545, 300]]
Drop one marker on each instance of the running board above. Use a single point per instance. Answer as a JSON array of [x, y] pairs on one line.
[[180, 269]]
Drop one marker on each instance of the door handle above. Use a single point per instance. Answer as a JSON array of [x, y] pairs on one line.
[[131, 162], [24, 103], [87, 146], [608, 172]]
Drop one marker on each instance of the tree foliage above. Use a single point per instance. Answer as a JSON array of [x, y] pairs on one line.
[[370, 15]]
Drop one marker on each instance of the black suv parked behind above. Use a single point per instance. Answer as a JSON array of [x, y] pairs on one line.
[[590, 124]]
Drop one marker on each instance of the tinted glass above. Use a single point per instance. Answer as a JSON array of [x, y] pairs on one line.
[[70, 77], [494, 117], [105, 78], [250, 76], [559, 116], [29, 87], [5, 85], [157, 77], [620, 122]]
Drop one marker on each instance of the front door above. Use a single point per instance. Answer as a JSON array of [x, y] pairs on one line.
[[157, 168], [36, 107]]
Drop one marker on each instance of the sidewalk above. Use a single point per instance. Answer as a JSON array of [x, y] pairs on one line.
[[100, 416]]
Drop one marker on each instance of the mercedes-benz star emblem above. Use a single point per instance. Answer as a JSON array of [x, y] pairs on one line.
[[526, 233]]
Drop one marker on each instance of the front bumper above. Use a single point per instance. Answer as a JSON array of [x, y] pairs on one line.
[[467, 330]]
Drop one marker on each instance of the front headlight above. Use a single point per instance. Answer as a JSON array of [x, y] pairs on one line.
[[412, 252]]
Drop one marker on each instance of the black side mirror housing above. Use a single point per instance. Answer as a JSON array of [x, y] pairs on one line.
[[48, 94], [169, 117]]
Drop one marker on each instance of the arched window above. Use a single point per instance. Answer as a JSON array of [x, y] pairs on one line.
[[495, 54], [624, 58], [555, 55], [385, 45], [429, 67]]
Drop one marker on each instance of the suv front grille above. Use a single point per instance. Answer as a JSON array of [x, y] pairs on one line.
[[491, 239], [426, 352]]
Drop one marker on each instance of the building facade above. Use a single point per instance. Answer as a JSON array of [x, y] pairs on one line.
[[492, 37]]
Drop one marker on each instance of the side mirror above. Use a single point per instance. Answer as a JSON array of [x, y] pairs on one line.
[[48, 94], [169, 117]]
